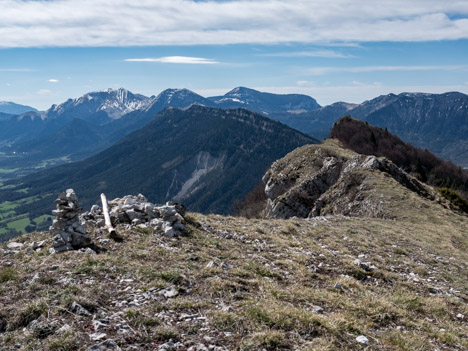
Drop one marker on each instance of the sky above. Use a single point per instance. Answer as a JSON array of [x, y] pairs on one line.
[[342, 50]]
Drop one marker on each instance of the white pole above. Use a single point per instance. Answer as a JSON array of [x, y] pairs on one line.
[[105, 209]]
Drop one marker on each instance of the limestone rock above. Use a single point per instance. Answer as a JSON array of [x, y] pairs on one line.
[[68, 233], [15, 245], [325, 179], [362, 340], [136, 211], [106, 345]]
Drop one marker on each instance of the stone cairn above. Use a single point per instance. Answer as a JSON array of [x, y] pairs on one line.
[[68, 233], [135, 211]]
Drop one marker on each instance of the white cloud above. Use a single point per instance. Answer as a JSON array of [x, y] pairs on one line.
[[303, 83], [44, 92], [315, 53], [29, 23], [15, 69], [53, 80], [365, 69], [176, 59]]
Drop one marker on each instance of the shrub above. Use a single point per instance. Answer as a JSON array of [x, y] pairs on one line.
[[454, 199], [253, 204], [425, 166], [7, 274]]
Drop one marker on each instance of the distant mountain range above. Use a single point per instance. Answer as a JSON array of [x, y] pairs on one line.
[[204, 157], [38, 139], [265, 103], [438, 122], [82, 127], [14, 109]]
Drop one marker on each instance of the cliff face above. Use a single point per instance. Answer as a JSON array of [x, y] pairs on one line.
[[325, 179]]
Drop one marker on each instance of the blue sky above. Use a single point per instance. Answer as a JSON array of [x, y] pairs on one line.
[[334, 51]]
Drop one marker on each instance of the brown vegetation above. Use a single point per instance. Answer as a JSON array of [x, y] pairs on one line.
[[253, 204], [366, 139]]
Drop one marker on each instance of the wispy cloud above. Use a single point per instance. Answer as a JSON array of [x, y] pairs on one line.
[[176, 59], [365, 69], [31, 23], [44, 92], [16, 69], [314, 53], [53, 80]]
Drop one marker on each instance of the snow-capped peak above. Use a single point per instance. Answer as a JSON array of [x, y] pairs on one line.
[[115, 103]]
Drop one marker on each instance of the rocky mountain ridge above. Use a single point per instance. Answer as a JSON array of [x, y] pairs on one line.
[[265, 103], [325, 179], [438, 122], [111, 103]]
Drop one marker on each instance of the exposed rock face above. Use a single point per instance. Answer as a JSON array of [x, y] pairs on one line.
[[69, 234], [138, 212], [326, 179]]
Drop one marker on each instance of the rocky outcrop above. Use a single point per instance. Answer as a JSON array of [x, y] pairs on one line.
[[327, 179], [68, 232], [136, 211]]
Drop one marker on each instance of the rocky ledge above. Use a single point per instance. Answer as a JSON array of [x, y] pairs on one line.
[[325, 179]]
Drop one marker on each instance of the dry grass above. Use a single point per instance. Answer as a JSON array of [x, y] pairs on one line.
[[250, 285]]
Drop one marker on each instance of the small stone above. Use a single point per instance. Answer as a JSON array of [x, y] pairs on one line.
[[367, 266], [362, 340], [169, 232], [197, 347], [129, 202], [318, 309], [106, 345], [169, 292], [132, 214], [15, 245], [97, 336], [78, 309], [64, 329], [95, 209], [314, 269], [460, 316], [434, 290], [100, 324], [167, 211], [168, 346], [80, 229], [211, 264]]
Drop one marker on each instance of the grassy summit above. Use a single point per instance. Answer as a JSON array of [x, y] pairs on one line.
[[239, 284]]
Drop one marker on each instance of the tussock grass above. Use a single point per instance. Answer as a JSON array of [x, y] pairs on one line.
[[253, 285]]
